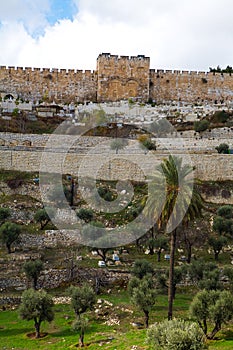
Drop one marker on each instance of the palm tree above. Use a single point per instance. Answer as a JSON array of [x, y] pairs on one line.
[[172, 200]]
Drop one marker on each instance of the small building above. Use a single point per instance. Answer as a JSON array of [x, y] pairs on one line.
[[48, 111]]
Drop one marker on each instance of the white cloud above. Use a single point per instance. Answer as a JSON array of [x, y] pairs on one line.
[[175, 34], [31, 13]]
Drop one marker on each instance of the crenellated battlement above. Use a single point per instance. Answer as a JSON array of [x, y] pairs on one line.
[[115, 78], [41, 70], [122, 57], [186, 72]]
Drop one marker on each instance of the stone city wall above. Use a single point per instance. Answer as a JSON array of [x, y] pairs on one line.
[[190, 86], [115, 78], [49, 84]]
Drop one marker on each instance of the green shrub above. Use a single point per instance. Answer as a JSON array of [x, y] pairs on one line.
[[223, 148], [85, 214], [220, 117], [201, 125], [176, 335]]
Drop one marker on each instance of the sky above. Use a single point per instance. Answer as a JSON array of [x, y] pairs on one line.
[[175, 34]]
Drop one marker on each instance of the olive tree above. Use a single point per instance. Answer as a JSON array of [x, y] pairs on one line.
[[32, 270], [143, 295], [217, 244], [82, 299], [205, 275], [42, 217], [215, 307], [118, 144], [80, 325], [9, 233], [141, 268], [4, 214], [36, 306], [223, 221]]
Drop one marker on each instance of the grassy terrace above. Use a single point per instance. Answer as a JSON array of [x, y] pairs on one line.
[[118, 334]]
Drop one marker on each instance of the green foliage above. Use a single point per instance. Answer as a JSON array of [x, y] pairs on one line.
[[217, 244], [15, 111], [98, 239], [42, 217], [205, 275], [211, 280], [220, 117], [146, 142], [228, 272], [223, 222], [176, 335], [118, 144], [223, 148], [131, 102], [222, 225], [80, 325], [226, 211], [106, 193], [4, 214], [201, 125], [82, 298], [228, 69], [143, 294], [37, 306], [161, 242], [85, 214], [213, 306], [9, 233], [141, 268], [32, 270], [99, 117]]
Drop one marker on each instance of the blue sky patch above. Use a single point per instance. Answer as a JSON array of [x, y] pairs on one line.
[[61, 9]]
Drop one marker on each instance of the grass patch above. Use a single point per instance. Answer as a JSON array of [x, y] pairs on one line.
[[122, 336]]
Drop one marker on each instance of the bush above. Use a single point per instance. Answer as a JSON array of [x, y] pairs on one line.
[[220, 117], [201, 125], [146, 142], [85, 214], [223, 148], [176, 335]]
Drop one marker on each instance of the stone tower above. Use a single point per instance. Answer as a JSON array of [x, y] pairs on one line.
[[122, 77]]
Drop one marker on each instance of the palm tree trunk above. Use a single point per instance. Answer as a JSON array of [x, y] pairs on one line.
[[171, 274]]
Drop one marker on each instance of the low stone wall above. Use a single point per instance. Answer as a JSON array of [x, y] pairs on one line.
[[208, 166]]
